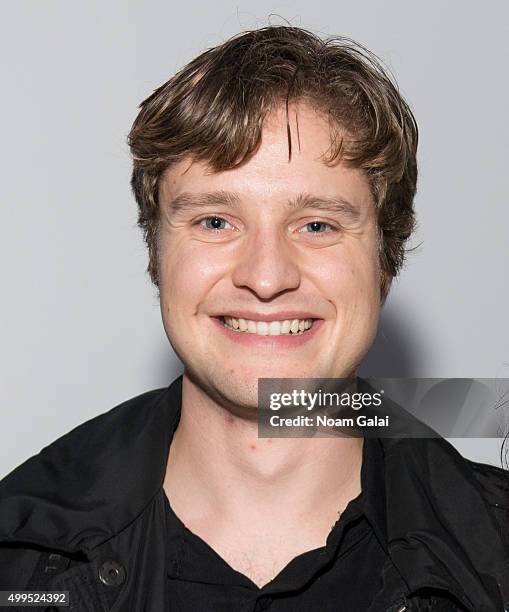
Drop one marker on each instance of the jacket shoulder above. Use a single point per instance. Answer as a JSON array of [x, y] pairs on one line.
[[101, 423], [494, 485], [494, 482], [81, 466]]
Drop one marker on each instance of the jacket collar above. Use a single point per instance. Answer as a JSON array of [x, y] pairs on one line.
[[88, 485]]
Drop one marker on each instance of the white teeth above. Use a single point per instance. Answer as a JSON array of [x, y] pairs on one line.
[[269, 328], [262, 328], [274, 328]]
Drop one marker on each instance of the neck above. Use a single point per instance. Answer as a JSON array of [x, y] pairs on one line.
[[218, 467]]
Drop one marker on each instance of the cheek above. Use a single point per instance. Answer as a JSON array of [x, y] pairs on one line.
[[186, 274], [351, 276]]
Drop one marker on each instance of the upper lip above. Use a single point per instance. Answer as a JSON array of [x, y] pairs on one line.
[[281, 315]]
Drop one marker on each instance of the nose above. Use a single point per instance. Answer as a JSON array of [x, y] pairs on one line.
[[266, 265]]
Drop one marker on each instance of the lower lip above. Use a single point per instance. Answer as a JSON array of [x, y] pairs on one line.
[[274, 342]]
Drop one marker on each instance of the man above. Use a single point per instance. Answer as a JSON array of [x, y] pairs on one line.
[[275, 177]]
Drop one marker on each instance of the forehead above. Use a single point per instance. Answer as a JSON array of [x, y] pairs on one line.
[[271, 173]]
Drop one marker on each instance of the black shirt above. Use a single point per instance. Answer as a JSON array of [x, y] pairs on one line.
[[344, 574]]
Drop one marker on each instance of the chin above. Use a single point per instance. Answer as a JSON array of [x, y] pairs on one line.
[[241, 400]]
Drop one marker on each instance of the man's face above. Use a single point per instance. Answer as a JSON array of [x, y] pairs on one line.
[[262, 246]]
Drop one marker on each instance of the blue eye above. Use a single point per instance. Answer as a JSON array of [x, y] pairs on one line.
[[214, 223], [317, 227]]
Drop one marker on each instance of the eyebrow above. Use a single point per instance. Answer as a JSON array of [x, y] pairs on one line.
[[335, 205], [187, 201], [191, 201]]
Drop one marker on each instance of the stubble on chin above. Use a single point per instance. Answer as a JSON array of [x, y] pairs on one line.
[[236, 396]]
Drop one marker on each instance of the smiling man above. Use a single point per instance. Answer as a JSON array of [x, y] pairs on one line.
[[275, 177]]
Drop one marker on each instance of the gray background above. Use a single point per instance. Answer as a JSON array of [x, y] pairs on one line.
[[80, 324]]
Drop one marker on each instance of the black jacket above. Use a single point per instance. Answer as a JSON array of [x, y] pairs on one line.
[[87, 515]]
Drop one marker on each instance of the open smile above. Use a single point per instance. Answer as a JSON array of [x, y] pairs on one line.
[[277, 333], [269, 328]]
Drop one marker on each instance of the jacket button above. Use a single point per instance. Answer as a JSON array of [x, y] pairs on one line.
[[112, 573]]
